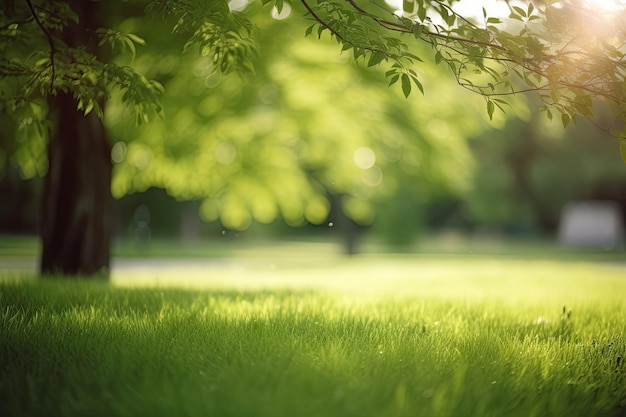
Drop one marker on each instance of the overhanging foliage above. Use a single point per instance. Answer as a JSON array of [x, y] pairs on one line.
[[569, 54], [539, 47]]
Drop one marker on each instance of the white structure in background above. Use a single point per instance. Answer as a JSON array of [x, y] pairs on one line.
[[592, 224]]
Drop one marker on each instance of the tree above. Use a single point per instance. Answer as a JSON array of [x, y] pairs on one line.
[[62, 60], [539, 48], [540, 168], [58, 77], [309, 139]]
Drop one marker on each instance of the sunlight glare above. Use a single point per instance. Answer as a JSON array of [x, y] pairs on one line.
[[237, 5], [468, 8], [283, 14], [605, 5]]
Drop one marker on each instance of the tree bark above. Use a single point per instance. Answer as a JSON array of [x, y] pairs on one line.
[[77, 215], [77, 208]]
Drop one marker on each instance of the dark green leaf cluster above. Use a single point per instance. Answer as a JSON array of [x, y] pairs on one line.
[[363, 32], [228, 49], [536, 49], [541, 47], [217, 32], [117, 40], [139, 93], [38, 62]]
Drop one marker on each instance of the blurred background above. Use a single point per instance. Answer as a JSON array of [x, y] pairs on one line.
[[314, 147]]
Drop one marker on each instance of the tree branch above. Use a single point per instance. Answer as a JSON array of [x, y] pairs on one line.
[[50, 42], [532, 61], [385, 23], [17, 22], [321, 21]]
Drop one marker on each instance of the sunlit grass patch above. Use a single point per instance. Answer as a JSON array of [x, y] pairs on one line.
[[441, 276], [487, 338]]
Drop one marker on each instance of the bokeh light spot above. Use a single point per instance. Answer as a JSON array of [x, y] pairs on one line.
[[364, 158], [283, 14], [225, 153], [141, 158], [237, 5], [118, 152], [372, 176]]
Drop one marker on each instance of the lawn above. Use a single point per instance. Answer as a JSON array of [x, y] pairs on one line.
[[376, 335]]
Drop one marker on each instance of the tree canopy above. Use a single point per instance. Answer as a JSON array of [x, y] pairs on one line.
[[570, 53], [308, 128]]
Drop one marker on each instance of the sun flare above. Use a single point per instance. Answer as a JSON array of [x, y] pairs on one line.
[[605, 5]]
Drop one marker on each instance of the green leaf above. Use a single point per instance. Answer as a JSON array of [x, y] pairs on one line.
[[136, 39], [418, 30], [500, 101], [438, 57], [406, 85], [421, 12], [408, 5], [413, 57], [375, 58], [490, 109], [89, 107], [520, 11], [131, 47], [42, 62], [98, 110], [320, 29], [451, 20], [565, 119], [418, 84], [622, 148], [279, 5]]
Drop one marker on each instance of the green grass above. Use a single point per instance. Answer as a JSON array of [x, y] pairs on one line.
[[372, 336], [235, 246]]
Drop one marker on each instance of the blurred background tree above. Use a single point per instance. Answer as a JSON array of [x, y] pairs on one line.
[[540, 167], [311, 138]]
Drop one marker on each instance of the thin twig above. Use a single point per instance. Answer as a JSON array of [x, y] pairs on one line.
[[18, 22], [386, 23], [321, 21], [431, 37], [50, 42]]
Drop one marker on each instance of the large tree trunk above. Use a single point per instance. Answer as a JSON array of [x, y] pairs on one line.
[[77, 208], [77, 218]]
